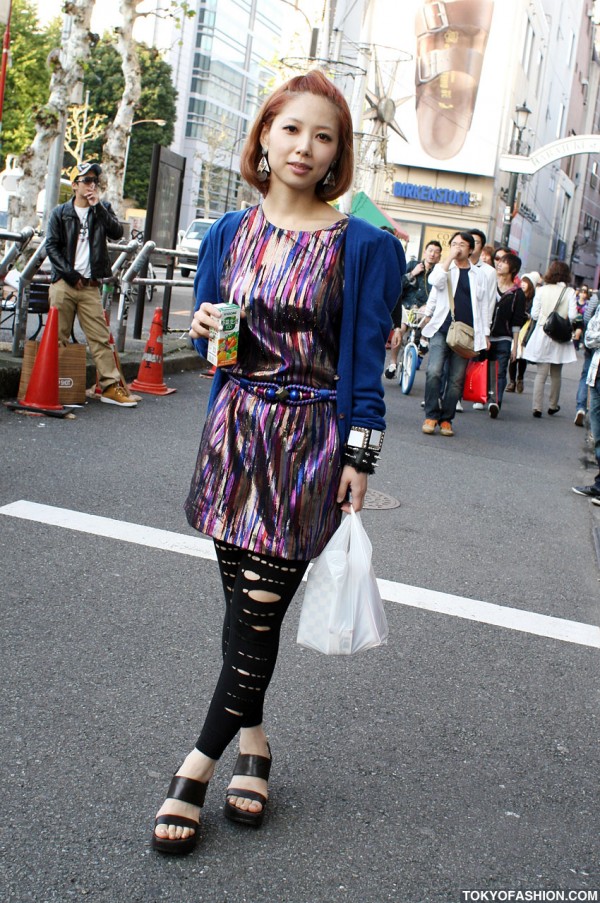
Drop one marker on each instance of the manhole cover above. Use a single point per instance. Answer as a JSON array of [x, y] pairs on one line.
[[375, 499]]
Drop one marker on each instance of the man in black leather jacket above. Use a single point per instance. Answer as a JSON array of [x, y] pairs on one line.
[[76, 246]]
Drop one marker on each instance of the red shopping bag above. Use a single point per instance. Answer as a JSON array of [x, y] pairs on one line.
[[476, 382]]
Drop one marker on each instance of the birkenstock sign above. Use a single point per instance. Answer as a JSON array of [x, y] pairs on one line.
[[437, 195]]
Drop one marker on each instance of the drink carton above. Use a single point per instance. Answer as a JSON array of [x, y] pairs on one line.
[[223, 342]]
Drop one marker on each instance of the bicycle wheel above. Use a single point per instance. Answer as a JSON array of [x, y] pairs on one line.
[[409, 368]]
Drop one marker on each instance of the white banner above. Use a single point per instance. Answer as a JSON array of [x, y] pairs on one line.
[[449, 96]]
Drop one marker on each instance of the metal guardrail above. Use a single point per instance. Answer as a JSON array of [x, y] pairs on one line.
[[135, 274]]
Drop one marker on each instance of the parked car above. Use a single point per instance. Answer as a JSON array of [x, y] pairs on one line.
[[189, 245]]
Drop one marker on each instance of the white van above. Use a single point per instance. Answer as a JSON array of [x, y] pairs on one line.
[[189, 245]]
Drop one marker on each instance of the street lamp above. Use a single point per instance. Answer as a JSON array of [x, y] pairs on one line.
[[587, 233], [160, 122], [522, 114]]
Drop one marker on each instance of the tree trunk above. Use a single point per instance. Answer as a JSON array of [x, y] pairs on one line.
[[67, 72], [119, 132]]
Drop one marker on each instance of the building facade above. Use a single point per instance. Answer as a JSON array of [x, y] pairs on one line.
[[458, 95], [222, 61]]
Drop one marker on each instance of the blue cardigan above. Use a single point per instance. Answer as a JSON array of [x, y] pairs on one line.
[[374, 265]]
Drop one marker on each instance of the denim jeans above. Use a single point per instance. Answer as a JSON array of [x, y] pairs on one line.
[[500, 351], [582, 389], [439, 353], [595, 424]]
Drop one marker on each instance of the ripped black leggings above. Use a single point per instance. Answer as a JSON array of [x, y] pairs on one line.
[[258, 590]]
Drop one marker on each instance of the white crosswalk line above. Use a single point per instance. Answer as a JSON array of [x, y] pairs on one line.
[[401, 593]]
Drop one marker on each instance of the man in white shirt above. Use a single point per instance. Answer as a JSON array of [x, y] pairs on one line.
[[76, 244], [470, 307]]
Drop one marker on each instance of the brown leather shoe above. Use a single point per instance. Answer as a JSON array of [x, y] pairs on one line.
[[451, 42]]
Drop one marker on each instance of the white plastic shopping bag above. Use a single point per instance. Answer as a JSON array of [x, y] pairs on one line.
[[342, 611]]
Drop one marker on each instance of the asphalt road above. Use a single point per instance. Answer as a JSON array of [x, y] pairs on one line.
[[461, 756]]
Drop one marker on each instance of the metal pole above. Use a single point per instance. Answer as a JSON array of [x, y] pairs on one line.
[[512, 194], [29, 271], [508, 210]]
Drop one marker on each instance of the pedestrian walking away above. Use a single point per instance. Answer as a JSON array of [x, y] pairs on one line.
[[454, 273], [76, 244], [542, 349], [294, 427]]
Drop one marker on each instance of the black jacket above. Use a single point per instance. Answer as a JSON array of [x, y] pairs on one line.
[[62, 234], [414, 291], [509, 313]]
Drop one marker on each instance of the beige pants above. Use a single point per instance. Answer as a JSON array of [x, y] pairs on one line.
[[86, 303], [541, 375]]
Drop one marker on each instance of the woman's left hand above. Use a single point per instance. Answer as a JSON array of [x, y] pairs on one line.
[[354, 482]]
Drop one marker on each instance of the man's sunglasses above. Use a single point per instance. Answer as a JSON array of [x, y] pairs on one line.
[[91, 180]]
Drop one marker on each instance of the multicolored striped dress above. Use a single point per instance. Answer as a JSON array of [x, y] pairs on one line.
[[267, 472]]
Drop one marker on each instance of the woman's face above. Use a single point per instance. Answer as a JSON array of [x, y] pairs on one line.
[[487, 258], [528, 287], [302, 142]]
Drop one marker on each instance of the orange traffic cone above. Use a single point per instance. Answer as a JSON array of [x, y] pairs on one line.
[[150, 374], [42, 392]]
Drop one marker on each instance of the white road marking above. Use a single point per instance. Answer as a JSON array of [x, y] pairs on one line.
[[401, 593]]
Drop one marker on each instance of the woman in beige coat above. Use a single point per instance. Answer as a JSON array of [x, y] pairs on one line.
[[547, 353]]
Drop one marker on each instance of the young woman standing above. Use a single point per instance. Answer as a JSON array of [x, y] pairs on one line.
[[295, 427], [541, 349], [509, 316]]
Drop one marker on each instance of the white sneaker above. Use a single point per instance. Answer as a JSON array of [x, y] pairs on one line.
[[459, 406], [579, 417], [478, 406]]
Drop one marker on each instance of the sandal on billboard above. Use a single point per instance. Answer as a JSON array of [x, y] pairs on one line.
[[451, 42]]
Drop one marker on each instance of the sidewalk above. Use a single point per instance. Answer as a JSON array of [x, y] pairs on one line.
[[178, 352]]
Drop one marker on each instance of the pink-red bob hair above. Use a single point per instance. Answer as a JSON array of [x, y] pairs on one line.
[[313, 82]]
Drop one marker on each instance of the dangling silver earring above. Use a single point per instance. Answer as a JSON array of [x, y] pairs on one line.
[[329, 178], [263, 169]]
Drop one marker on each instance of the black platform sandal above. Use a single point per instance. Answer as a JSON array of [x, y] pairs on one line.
[[188, 791], [251, 767]]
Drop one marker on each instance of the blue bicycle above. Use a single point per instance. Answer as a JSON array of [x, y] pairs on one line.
[[414, 350]]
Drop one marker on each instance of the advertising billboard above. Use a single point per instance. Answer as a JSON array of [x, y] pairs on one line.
[[449, 96]]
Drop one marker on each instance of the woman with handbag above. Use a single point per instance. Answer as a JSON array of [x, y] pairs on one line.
[[554, 303], [294, 427]]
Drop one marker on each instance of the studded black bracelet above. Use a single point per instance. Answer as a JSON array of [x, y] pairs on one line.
[[362, 449]]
